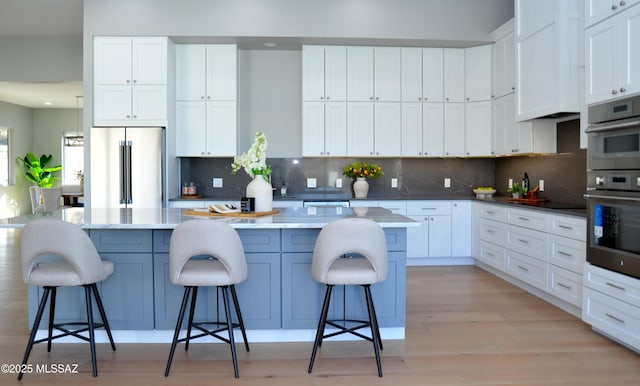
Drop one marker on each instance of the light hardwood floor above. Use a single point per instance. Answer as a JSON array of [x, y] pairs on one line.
[[464, 327]]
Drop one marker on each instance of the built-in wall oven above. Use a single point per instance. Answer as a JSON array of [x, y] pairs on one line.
[[613, 186]]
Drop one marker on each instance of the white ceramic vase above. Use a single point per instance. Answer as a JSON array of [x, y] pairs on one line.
[[261, 190], [361, 187]]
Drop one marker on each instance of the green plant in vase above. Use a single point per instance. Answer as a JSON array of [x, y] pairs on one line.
[[37, 171]]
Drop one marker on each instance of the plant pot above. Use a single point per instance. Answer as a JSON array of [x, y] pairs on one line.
[[262, 192], [360, 188], [515, 195]]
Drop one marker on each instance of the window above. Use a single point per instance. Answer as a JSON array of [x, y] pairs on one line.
[[72, 158], [6, 175]]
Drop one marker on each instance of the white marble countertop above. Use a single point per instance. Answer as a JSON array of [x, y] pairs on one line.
[[168, 218]]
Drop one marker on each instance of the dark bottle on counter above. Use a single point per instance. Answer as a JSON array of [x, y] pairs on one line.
[[525, 185]]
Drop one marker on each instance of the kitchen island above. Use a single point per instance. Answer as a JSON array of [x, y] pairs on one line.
[[280, 301]]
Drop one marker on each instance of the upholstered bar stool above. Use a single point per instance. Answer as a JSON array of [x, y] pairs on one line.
[[224, 266], [350, 251], [80, 266]]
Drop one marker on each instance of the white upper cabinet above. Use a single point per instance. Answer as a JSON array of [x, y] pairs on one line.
[[324, 73], [324, 129], [433, 74], [206, 106], [360, 74], [411, 74], [454, 128], [206, 72], [379, 82], [454, 75], [478, 73], [598, 10], [613, 57], [504, 65], [549, 54], [130, 81], [478, 129]]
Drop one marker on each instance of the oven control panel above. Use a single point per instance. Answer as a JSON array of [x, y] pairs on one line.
[[625, 180]]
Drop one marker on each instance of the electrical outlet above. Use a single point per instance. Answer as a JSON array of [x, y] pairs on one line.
[[312, 183], [394, 182], [447, 182], [541, 185], [510, 183], [217, 182], [338, 182]]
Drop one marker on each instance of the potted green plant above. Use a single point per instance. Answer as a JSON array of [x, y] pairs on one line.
[[516, 190], [37, 171]]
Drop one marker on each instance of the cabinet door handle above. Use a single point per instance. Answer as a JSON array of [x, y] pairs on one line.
[[622, 3], [614, 91], [616, 286], [614, 7], [622, 89], [202, 97], [523, 268], [565, 227], [615, 318], [523, 241], [564, 253], [523, 218], [564, 286]]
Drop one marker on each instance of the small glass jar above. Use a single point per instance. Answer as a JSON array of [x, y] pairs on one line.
[[192, 189]]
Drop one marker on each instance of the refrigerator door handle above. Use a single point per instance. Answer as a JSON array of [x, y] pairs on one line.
[[122, 151], [127, 176]]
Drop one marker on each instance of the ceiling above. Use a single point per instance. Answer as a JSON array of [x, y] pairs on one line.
[[41, 18]]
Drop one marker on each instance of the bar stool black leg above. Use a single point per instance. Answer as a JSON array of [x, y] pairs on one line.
[[192, 309], [321, 325], [92, 339], [227, 311], [34, 329], [103, 315], [375, 332], [176, 333], [375, 317], [240, 321], [52, 313]]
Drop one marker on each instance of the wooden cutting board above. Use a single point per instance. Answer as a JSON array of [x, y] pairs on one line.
[[193, 212]]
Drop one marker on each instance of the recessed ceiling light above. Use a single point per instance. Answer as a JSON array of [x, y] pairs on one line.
[[48, 103], [270, 44]]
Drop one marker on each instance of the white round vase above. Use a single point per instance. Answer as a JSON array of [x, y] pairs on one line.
[[261, 190], [361, 187]]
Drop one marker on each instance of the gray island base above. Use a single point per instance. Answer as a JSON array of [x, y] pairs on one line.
[[280, 301]]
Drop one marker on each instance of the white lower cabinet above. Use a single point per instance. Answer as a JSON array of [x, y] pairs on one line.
[[611, 305], [542, 250]]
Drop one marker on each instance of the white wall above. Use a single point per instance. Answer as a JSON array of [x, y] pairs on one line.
[[14, 199], [40, 59], [270, 89]]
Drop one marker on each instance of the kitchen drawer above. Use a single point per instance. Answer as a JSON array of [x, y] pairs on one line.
[[617, 319], [122, 240], [528, 242], [492, 231], [395, 206], [186, 203], [565, 285], [624, 288], [492, 255], [493, 212], [567, 253], [572, 227], [527, 269], [429, 208], [528, 219]]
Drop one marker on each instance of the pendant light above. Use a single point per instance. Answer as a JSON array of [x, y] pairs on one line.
[[78, 139]]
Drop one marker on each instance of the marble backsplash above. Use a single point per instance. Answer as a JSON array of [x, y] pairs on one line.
[[564, 173]]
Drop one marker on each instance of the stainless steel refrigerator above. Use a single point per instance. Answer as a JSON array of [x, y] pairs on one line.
[[127, 167]]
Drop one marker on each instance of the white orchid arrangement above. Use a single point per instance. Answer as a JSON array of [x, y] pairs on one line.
[[254, 161]]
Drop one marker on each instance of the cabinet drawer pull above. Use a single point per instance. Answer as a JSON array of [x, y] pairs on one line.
[[490, 231], [489, 212], [490, 254], [564, 254], [615, 318], [614, 7], [616, 286], [523, 268], [565, 227], [523, 241], [523, 218], [429, 208], [564, 286]]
